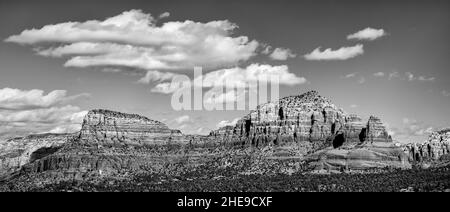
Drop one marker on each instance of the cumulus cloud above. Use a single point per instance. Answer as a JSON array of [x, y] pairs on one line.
[[232, 77], [351, 75], [63, 119], [412, 130], [367, 34], [182, 119], [361, 79], [157, 76], [410, 77], [25, 112], [243, 77], [164, 15], [393, 75], [224, 123], [216, 81], [216, 96], [132, 39], [266, 49], [342, 53], [423, 78], [16, 99], [445, 93], [379, 74], [282, 54]]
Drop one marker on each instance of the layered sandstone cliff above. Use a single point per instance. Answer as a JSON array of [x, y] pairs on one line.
[[304, 118], [110, 127], [16, 152], [112, 143]]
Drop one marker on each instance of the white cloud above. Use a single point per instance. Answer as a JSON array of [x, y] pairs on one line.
[[414, 127], [379, 74], [354, 106], [156, 76], [351, 75], [410, 76], [266, 50], [445, 93], [164, 15], [242, 77], [361, 80], [224, 123], [182, 119], [66, 119], [342, 53], [423, 78], [367, 34], [411, 131], [16, 99], [393, 75], [237, 77], [216, 96], [132, 39], [282, 54], [25, 112]]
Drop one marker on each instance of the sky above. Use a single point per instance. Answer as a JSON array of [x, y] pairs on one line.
[[59, 59]]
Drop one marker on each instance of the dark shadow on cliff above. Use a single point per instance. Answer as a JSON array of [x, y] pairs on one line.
[[338, 140], [42, 152]]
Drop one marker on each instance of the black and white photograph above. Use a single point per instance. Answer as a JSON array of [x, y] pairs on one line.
[[209, 96]]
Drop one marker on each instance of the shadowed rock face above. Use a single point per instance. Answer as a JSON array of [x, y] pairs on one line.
[[17, 152], [109, 127], [308, 117]]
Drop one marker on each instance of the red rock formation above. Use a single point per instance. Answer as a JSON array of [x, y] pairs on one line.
[[437, 145], [109, 127], [304, 118]]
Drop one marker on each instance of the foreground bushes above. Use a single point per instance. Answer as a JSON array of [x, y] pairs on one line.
[[228, 180]]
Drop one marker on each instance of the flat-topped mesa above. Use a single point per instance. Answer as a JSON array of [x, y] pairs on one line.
[[110, 127], [307, 117]]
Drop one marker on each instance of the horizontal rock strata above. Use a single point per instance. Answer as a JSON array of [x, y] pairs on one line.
[[17, 152], [109, 127], [307, 117]]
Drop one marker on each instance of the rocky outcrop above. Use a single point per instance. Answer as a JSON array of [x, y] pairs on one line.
[[115, 128], [359, 157], [437, 145], [304, 118], [114, 144], [14, 153], [376, 131]]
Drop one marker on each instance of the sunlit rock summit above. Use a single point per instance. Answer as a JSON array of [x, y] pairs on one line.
[[307, 117]]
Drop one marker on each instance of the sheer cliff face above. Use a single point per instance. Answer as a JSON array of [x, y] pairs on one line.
[[307, 117], [109, 127]]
